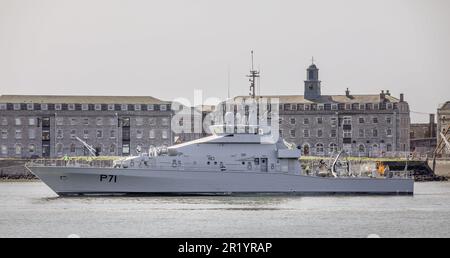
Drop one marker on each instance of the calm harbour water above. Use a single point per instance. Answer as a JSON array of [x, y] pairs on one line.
[[30, 209]]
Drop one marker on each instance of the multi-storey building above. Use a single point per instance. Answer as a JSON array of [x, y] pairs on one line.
[[363, 125], [48, 126]]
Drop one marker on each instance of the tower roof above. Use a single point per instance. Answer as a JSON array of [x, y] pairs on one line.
[[312, 67]]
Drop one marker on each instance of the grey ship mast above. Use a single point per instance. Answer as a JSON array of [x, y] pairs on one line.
[[253, 75]]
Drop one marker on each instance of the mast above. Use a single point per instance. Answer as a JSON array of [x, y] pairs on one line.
[[253, 75]]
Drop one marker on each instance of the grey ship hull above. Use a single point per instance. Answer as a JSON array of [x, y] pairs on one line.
[[75, 180]]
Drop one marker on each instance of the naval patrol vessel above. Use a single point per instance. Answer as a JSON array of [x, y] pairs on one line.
[[223, 163]]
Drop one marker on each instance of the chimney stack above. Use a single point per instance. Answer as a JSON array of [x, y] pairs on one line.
[[347, 93], [388, 93], [431, 131], [382, 95], [401, 97]]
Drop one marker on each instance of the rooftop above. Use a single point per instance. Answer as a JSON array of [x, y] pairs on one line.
[[80, 99], [375, 98]]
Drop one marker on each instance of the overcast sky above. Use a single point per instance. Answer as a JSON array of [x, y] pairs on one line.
[[168, 48]]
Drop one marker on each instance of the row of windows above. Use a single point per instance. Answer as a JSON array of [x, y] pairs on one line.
[[362, 133], [18, 134], [31, 121], [338, 106], [60, 121], [85, 107], [18, 149], [332, 148], [86, 134], [333, 120]]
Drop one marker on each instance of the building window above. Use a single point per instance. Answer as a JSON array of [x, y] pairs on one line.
[[16, 106], [306, 121], [361, 120], [59, 148], [112, 134], [163, 107], [4, 150], [292, 133], [73, 148], [3, 121], [18, 121], [98, 107], [152, 134], [306, 133], [31, 148], [99, 133], [361, 149], [319, 148], [388, 120], [84, 107], [31, 121], [280, 132], [389, 106], [333, 121], [320, 107], [361, 133], [111, 107], [347, 134], [44, 106], [112, 149], [362, 106], [137, 107], [389, 132], [292, 121], [18, 134], [334, 106], [125, 148], [375, 120], [73, 133], [333, 148], [18, 149], [31, 133], [375, 133], [59, 133], [30, 106], [307, 107], [124, 107], [388, 147], [73, 121], [85, 134], [3, 106], [58, 106], [139, 121], [4, 134], [99, 121], [165, 121], [59, 121], [347, 120], [165, 135], [333, 133], [150, 107], [85, 121], [319, 133], [139, 134], [320, 120], [152, 121], [71, 106]]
